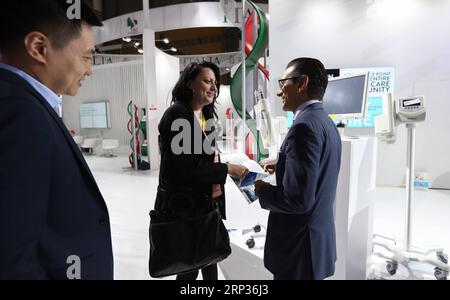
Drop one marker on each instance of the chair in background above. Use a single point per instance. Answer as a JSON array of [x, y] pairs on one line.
[[109, 146], [89, 145]]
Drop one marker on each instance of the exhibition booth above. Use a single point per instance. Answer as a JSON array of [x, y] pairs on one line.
[[376, 95]]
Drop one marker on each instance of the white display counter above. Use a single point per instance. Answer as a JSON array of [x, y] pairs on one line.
[[354, 208], [353, 211]]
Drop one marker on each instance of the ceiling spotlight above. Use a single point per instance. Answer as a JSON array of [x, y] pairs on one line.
[[165, 41], [137, 44], [141, 51], [126, 39], [173, 49]]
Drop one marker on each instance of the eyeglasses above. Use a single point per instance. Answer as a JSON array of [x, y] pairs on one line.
[[281, 81]]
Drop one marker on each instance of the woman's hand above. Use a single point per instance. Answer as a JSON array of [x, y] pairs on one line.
[[237, 171]]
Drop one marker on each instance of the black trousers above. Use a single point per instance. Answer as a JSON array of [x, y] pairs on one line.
[[208, 273]]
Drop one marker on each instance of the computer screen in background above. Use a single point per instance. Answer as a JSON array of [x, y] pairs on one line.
[[346, 97]]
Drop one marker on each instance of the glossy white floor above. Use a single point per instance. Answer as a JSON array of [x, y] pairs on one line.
[[130, 196]]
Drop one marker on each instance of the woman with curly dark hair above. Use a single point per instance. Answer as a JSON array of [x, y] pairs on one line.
[[189, 159]]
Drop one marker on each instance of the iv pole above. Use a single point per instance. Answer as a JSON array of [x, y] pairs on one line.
[[409, 182]]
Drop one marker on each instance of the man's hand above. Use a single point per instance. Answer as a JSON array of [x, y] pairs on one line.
[[269, 168], [258, 185], [269, 164], [269, 161]]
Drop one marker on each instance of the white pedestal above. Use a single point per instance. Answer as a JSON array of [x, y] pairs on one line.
[[354, 208]]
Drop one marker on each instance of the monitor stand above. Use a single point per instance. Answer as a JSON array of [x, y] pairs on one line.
[[341, 127]]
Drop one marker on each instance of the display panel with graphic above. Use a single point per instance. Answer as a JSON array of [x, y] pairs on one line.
[[94, 115], [381, 80]]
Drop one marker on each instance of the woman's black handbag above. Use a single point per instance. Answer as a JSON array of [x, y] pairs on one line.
[[181, 243]]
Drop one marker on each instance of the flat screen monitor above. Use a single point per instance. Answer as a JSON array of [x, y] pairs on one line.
[[346, 97], [94, 115]]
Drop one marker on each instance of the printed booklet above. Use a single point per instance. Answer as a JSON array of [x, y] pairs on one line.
[[256, 172]]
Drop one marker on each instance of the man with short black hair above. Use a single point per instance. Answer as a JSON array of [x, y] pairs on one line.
[[54, 223], [301, 240]]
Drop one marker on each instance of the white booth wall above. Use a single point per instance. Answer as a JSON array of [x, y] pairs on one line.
[[410, 35], [119, 84]]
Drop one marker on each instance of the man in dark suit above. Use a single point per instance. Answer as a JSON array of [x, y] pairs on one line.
[[54, 223], [301, 241]]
